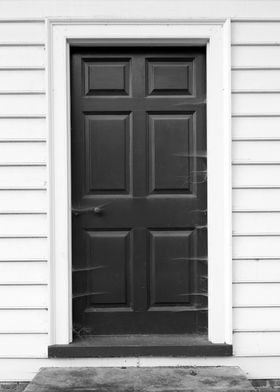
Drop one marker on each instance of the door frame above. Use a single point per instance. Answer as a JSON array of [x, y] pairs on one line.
[[215, 35]]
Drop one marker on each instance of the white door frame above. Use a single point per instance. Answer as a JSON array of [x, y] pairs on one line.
[[61, 33]]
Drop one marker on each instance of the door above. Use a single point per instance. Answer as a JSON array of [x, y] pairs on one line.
[[139, 184]]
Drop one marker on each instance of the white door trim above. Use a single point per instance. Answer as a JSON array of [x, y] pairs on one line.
[[61, 33]]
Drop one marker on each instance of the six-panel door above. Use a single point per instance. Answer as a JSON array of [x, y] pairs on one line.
[[139, 184]]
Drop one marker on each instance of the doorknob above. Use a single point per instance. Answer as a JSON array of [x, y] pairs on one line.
[[98, 210]]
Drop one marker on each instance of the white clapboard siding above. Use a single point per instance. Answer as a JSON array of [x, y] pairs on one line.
[[255, 175], [255, 247], [16, 201], [256, 80], [256, 294], [23, 225], [263, 103], [255, 32], [255, 127], [252, 56], [22, 346], [23, 152], [23, 296], [256, 270], [22, 128], [255, 151], [23, 248], [21, 56], [256, 343], [23, 177], [255, 223], [23, 272], [256, 318], [22, 80], [22, 105], [256, 199], [22, 32], [23, 320]]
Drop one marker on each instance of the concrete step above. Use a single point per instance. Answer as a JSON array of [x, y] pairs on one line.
[[155, 379]]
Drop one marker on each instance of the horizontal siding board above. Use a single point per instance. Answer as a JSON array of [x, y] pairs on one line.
[[256, 343], [23, 320], [252, 127], [15, 105], [23, 225], [256, 223], [23, 201], [17, 81], [252, 32], [23, 177], [255, 56], [255, 103], [23, 296], [268, 80], [256, 294], [23, 248], [256, 319], [21, 128], [21, 56], [23, 346], [264, 176], [256, 270], [255, 151], [23, 272], [256, 247], [23, 152], [256, 199], [17, 32]]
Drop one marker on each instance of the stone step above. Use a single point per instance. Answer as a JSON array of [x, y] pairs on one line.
[[152, 379]]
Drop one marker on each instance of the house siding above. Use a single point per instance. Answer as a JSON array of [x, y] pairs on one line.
[[24, 231]]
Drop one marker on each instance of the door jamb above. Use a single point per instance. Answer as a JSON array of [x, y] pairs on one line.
[[63, 33]]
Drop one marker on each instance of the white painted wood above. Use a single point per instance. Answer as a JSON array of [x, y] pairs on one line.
[[256, 319], [256, 247], [256, 127], [255, 103], [22, 128], [256, 151], [257, 199], [18, 346], [23, 272], [23, 225], [256, 56], [263, 176], [22, 56], [255, 270], [15, 105], [23, 152], [23, 296], [219, 152], [23, 201], [23, 177], [257, 223], [23, 248], [22, 32], [256, 294], [256, 343], [268, 80], [251, 32], [23, 320], [17, 81]]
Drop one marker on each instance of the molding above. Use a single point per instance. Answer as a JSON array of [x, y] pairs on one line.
[[63, 32]]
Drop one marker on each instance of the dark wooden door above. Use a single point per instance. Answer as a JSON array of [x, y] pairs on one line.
[[139, 190]]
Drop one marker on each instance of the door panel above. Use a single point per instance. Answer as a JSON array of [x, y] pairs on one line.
[[139, 184]]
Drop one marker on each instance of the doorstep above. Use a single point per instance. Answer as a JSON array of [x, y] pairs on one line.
[[164, 379], [140, 345]]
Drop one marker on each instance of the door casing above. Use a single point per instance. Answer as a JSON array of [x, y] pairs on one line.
[[216, 36]]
